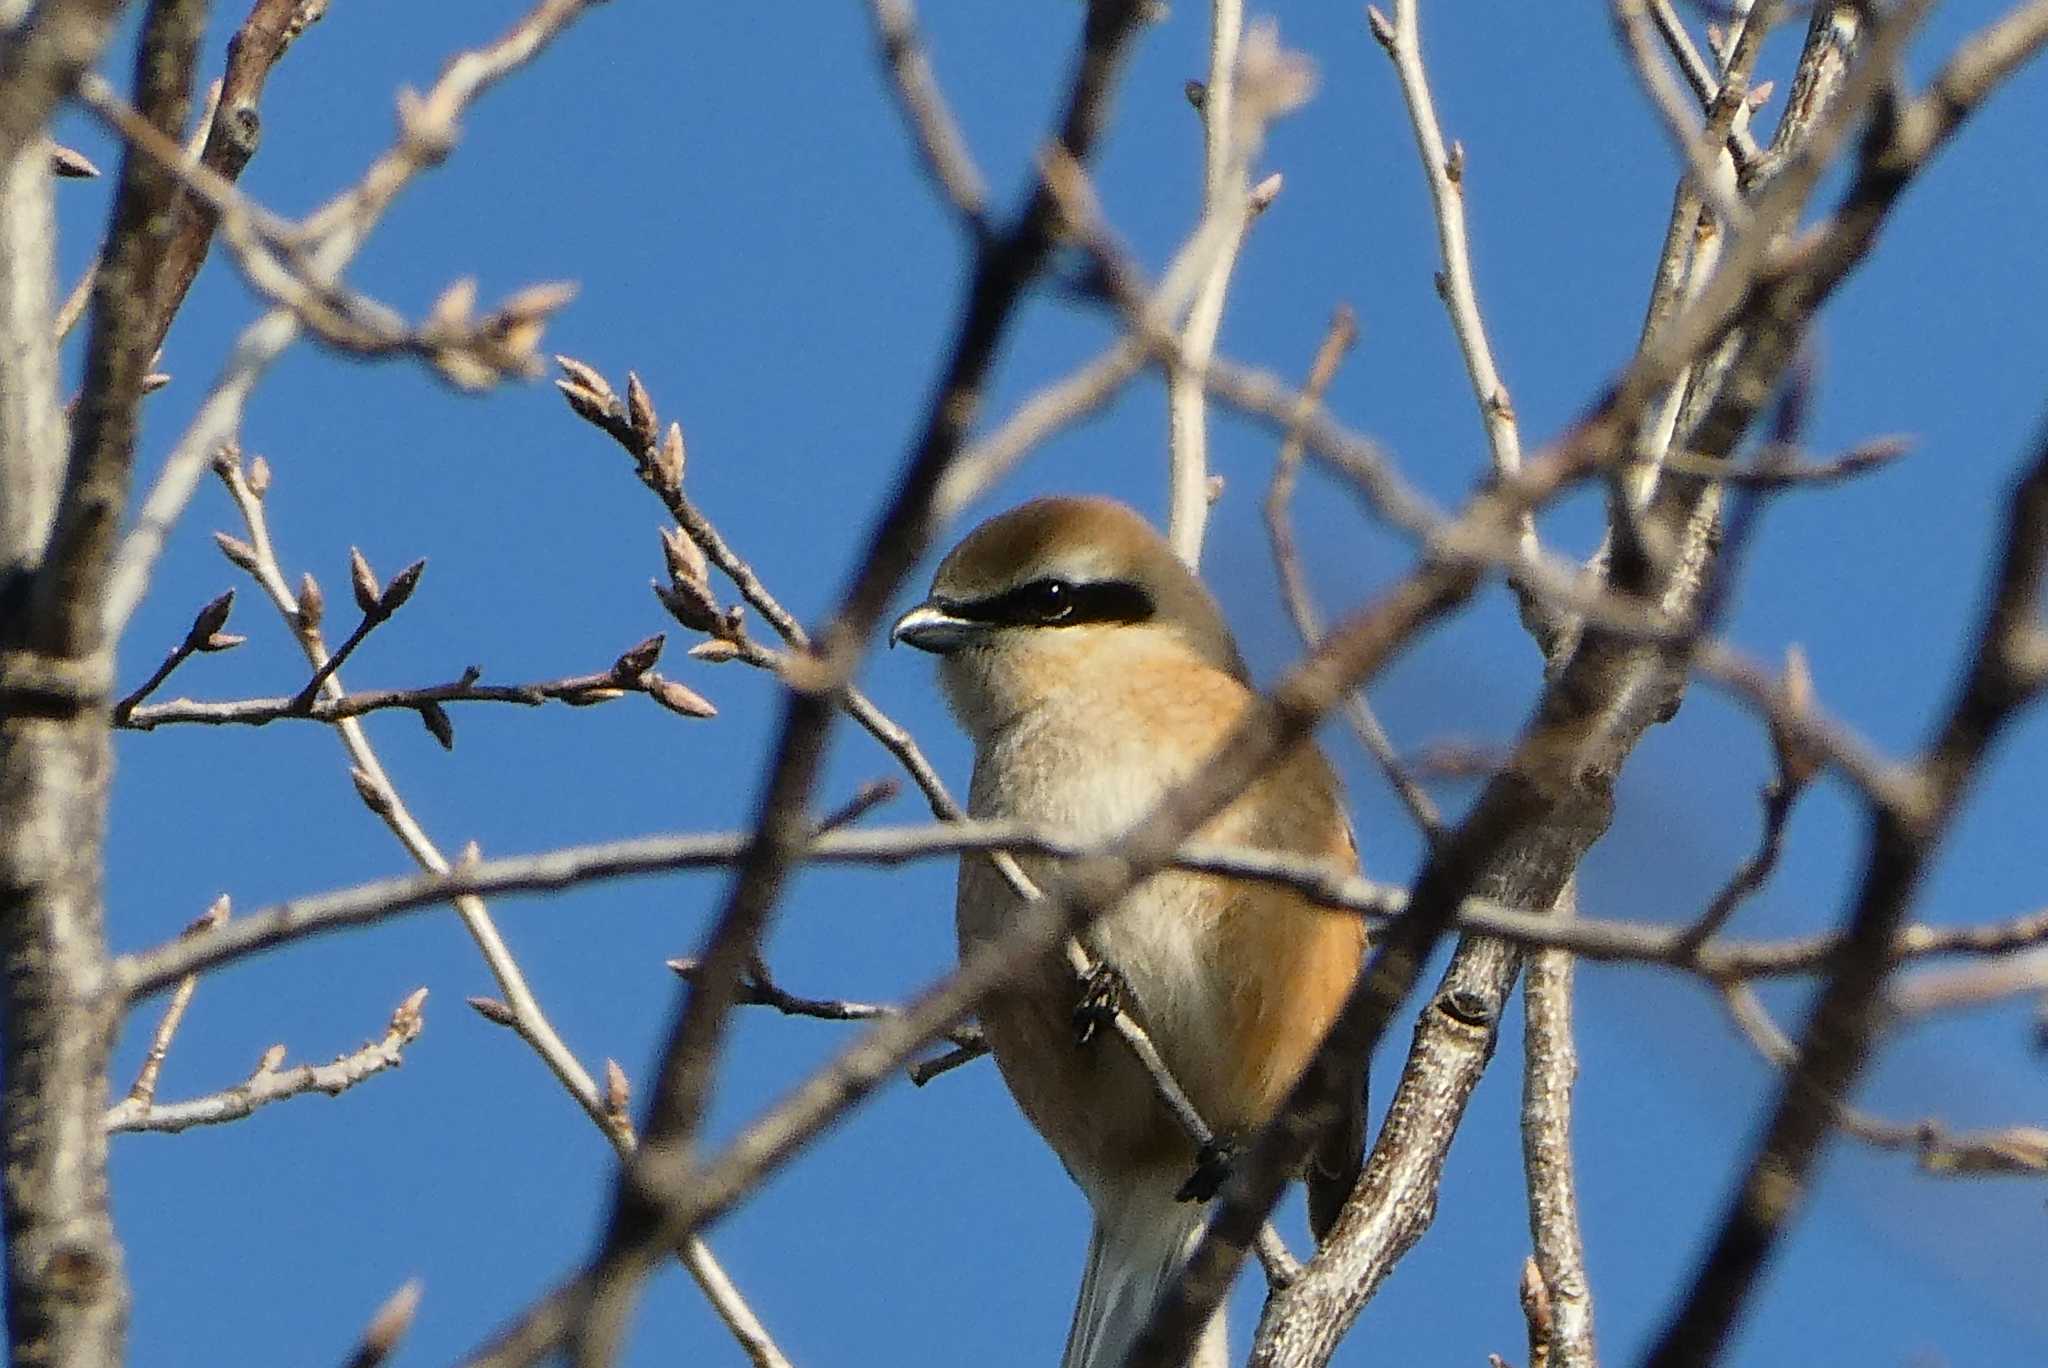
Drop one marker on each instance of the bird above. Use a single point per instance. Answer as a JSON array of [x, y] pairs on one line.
[[1094, 672]]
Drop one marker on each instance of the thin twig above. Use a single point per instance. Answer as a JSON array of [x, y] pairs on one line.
[[1294, 590], [203, 635], [1796, 765], [1961, 987], [143, 1092], [1443, 170], [272, 1083], [943, 150], [1698, 144], [1705, 84], [466, 349], [584, 690]]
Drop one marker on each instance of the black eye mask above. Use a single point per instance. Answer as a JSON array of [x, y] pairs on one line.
[[1053, 602]]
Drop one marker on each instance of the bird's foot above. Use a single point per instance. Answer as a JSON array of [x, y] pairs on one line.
[[1102, 997], [1212, 1169]]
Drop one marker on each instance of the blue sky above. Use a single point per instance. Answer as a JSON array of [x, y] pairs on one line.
[[732, 190]]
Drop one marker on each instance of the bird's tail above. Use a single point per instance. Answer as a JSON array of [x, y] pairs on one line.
[[1143, 1234]]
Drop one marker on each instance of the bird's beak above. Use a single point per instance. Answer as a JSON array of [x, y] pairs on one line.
[[930, 627]]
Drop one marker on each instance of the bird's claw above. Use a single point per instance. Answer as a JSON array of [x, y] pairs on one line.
[[1213, 1166], [1102, 997]]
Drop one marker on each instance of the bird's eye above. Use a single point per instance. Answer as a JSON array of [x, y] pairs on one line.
[[1049, 600]]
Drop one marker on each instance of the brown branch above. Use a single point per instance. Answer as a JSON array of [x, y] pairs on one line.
[[1796, 768], [584, 690], [272, 1083], [143, 1092], [1779, 468], [377, 606], [758, 988], [204, 635], [468, 350], [1294, 590], [943, 151], [232, 134], [925, 1070]]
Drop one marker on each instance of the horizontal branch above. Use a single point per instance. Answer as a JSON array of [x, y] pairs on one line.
[[577, 690], [148, 972]]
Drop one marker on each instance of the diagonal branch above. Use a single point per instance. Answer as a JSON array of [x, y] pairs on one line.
[[272, 1083]]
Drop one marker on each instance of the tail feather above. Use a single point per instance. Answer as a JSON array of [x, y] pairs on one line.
[[1141, 1239]]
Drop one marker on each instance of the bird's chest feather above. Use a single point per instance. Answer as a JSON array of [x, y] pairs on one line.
[[1096, 781]]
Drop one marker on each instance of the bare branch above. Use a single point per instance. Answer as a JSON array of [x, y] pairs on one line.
[[1703, 81], [1228, 146], [584, 690], [1443, 170], [1959, 987], [144, 1090], [467, 350], [759, 989], [271, 1083], [946, 157], [1294, 590], [204, 635], [228, 138], [1550, 1068]]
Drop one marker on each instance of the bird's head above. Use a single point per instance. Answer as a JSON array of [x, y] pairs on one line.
[[1045, 597]]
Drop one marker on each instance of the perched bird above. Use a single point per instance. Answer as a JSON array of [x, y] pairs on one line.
[[1094, 673]]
